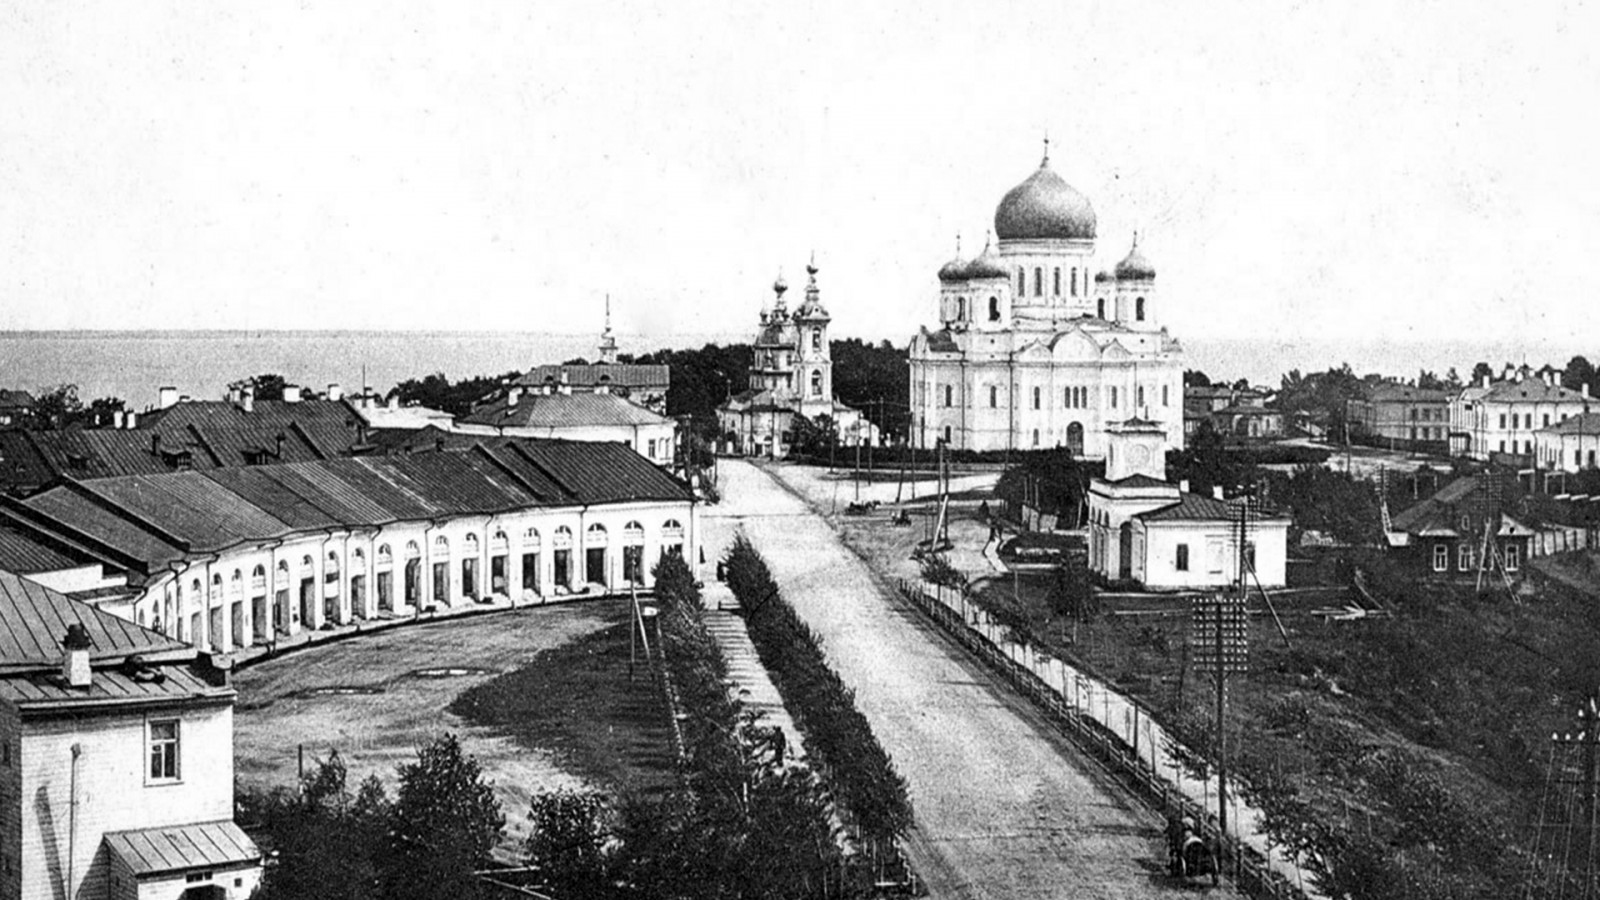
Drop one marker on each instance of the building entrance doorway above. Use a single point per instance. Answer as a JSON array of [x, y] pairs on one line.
[[308, 602]]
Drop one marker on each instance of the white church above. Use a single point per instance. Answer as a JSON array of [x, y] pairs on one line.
[[1035, 351]]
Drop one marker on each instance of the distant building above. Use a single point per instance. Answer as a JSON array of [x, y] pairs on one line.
[[558, 412], [231, 557], [15, 406], [1031, 351], [1570, 445], [1402, 412], [1237, 412], [1443, 536], [791, 374], [645, 385], [1504, 417], [1145, 529], [116, 759]]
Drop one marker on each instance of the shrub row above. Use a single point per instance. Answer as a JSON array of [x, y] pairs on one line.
[[859, 772]]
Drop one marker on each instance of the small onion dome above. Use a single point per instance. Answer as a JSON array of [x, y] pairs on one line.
[[1134, 267], [954, 270], [987, 265], [1044, 206], [779, 286], [1102, 276]]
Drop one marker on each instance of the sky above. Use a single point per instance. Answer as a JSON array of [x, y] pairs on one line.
[[1339, 170]]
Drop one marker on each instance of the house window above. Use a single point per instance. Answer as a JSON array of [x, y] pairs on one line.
[[1057, 283], [816, 384], [1547, 420], [947, 434], [1035, 398], [164, 750], [1100, 308], [1036, 437], [816, 339], [1038, 281], [1502, 423], [652, 446], [1113, 398], [1463, 557], [1513, 557], [1138, 309], [1022, 281], [994, 309], [1182, 563], [994, 394], [1074, 281], [1441, 557], [1164, 396], [949, 393]]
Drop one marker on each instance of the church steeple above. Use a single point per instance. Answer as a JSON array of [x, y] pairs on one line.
[[608, 342]]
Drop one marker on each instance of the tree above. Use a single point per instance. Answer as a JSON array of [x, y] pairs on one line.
[[1578, 374], [446, 820], [435, 391], [55, 407], [1430, 381], [263, 387], [1481, 371], [567, 841], [326, 844], [1195, 378]]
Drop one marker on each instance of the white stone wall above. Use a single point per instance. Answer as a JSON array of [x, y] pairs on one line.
[[1210, 543], [1566, 452], [113, 790]]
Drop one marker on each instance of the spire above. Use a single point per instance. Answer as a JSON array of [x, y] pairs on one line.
[[813, 304], [958, 245], [1044, 163], [608, 342]]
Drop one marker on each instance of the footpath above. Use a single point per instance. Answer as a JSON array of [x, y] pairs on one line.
[[751, 682]]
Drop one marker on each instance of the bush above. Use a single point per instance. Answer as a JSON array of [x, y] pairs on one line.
[[859, 771]]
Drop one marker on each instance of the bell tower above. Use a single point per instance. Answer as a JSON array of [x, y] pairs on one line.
[[1136, 447], [814, 361]]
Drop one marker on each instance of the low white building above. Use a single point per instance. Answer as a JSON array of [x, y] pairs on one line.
[[1147, 530], [116, 759], [1569, 445], [229, 558], [556, 411]]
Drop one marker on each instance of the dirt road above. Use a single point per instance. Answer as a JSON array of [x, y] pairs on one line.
[[1005, 808]]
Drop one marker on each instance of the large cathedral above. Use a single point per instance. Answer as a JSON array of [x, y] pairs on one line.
[[1033, 350]]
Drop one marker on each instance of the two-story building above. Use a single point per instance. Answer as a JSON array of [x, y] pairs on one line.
[[1460, 530], [1570, 445], [1504, 417], [116, 760], [1392, 411]]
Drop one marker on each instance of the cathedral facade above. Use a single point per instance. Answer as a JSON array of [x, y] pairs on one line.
[[1035, 348]]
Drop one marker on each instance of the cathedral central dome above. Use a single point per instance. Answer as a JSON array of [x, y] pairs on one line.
[[1044, 206]]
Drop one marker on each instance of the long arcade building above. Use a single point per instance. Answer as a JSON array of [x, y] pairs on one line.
[[228, 558]]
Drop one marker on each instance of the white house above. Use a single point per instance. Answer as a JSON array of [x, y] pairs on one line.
[[1505, 416], [1571, 444], [116, 760], [229, 558], [1145, 529], [556, 411]]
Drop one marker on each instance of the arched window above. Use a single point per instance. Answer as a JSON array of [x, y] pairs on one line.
[[472, 545], [499, 543], [1074, 281], [994, 395], [816, 383], [1038, 281], [531, 539], [816, 339], [1022, 281], [1056, 285], [1139, 396], [961, 309], [441, 545], [596, 535], [1138, 309], [385, 555], [1100, 308], [1035, 401], [413, 551], [236, 584], [1036, 437], [994, 309]]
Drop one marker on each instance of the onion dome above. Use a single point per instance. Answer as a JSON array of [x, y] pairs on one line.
[[1134, 267], [1044, 207], [954, 270], [1102, 276], [987, 265]]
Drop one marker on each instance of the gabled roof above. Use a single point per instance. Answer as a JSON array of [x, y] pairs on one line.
[[15, 399], [25, 552], [1200, 508], [34, 619], [556, 411]]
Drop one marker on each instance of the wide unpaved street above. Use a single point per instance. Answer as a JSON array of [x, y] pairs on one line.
[[1005, 808]]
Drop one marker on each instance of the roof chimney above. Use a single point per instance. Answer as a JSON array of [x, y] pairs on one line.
[[1183, 485], [247, 400], [166, 397], [118, 418], [75, 661], [1484, 381], [1216, 491], [513, 395], [335, 392], [291, 393], [132, 419]]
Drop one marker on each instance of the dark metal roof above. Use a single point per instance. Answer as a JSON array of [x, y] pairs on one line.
[[25, 552], [630, 375], [156, 518], [34, 619], [176, 848], [556, 411], [112, 686]]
